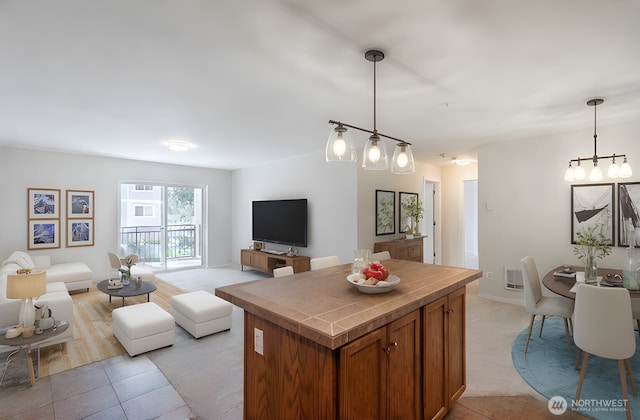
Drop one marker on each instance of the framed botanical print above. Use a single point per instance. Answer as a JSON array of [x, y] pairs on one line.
[[629, 214], [44, 234], [79, 204], [592, 204], [385, 212], [43, 203], [406, 224], [79, 232]]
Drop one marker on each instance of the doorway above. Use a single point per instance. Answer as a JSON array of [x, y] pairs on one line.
[[429, 241], [470, 225], [162, 224]]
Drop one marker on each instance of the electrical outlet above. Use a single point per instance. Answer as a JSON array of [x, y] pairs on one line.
[[489, 275], [258, 341]]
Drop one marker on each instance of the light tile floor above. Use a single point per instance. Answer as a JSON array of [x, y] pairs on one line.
[[203, 378]]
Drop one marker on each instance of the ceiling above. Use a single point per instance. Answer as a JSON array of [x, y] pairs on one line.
[[255, 81]]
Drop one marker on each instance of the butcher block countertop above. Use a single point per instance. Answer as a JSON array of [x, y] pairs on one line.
[[323, 307]]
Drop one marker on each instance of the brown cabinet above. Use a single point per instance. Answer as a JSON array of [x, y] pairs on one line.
[[380, 372], [444, 353], [265, 262], [402, 249]]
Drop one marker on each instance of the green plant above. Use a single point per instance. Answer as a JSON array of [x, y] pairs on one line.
[[592, 243], [412, 207]]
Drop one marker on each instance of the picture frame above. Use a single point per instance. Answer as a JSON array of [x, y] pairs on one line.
[[385, 212], [79, 232], [592, 204], [43, 203], [43, 234], [80, 204], [403, 223], [629, 213]]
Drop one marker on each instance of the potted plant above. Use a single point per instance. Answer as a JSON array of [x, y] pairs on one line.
[[592, 243], [414, 210]]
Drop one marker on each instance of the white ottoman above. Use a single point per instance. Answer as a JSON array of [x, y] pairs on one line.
[[143, 327], [201, 313]]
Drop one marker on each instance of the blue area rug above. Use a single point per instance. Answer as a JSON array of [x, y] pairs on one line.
[[549, 370]]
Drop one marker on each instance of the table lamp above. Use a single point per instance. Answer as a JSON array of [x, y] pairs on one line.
[[26, 287]]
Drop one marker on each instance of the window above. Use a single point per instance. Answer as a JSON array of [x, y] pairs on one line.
[[140, 187], [143, 211]]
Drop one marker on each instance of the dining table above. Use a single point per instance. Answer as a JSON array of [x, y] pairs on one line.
[[563, 285]]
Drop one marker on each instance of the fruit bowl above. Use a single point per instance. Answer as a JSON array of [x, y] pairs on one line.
[[382, 287]]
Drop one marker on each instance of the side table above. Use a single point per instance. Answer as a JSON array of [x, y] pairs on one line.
[[25, 343]]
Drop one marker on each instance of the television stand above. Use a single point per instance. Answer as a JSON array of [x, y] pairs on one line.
[[266, 262]]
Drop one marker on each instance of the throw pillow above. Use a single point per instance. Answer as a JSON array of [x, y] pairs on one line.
[[21, 258]]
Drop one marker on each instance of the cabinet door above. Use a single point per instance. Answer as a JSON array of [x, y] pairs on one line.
[[363, 377], [435, 361], [404, 368], [457, 345], [260, 261], [245, 257]]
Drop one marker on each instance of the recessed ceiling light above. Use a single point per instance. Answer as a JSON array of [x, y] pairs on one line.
[[179, 145]]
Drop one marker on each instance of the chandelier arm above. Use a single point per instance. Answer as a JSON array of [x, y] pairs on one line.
[[583, 159], [374, 97], [369, 131]]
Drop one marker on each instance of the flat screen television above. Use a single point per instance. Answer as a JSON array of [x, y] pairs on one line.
[[280, 221]]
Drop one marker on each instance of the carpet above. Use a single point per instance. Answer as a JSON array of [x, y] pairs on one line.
[[550, 371], [93, 339]]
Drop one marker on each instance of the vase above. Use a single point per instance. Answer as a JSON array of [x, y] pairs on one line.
[[126, 278], [631, 270], [138, 282], [590, 269]]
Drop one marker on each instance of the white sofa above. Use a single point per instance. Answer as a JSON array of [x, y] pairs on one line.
[[75, 275], [57, 298]]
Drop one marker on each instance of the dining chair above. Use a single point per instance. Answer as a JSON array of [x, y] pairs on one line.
[[597, 310], [379, 256], [283, 271], [324, 262], [537, 304], [635, 311]]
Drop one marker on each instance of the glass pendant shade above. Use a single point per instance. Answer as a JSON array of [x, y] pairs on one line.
[[374, 156], [596, 173], [579, 172], [613, 170], [569, 174], [625, 170], [340, 147], [402, 160]]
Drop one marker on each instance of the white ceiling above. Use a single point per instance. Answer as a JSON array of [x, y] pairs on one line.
[[253, 81]]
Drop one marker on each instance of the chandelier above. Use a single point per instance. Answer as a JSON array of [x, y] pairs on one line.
[[577, 173], [340, 147]]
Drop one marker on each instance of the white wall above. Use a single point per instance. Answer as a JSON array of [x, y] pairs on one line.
[[525, 203], [21, 169], [332, 198]]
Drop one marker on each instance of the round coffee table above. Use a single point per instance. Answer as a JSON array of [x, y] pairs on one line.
[[127, 291]]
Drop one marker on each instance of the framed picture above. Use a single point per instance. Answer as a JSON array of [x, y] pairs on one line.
[[79, 232], [629, 214], [592, 204], [404, 222], [385, 212], [44, 234], [79, 204], [43, 203]]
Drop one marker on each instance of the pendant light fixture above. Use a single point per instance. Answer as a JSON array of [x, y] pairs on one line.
[[374, 157], [577, 173]]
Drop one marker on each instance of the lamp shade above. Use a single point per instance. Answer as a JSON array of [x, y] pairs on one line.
[[340, 147], [402, 160], [374, 155], [26, 286]]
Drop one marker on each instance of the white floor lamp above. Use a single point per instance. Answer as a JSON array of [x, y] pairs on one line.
[[26, 287]]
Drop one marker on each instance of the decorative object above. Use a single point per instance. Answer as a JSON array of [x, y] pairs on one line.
[[128, 261], [631, 270], [79, 232], [43, 234], [26, 287], [411, 212], [138, 282], [43, 203], [340, 147], [614, 171], [80, 204], [592, 204], [629, 214], [385, 212], [592, 244]]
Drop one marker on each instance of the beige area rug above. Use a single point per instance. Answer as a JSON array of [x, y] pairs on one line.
[[93, 339]]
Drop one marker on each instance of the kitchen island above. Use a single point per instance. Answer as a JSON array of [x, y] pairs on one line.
[[316, 347]]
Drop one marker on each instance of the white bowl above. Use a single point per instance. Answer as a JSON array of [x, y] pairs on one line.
[[366, 288]]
